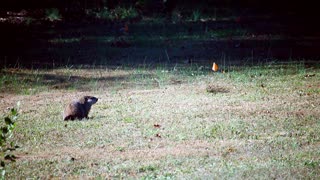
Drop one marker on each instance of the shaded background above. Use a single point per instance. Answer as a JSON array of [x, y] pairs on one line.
[[56, 33]]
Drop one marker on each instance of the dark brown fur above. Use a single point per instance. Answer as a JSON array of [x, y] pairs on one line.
[[79, 109]]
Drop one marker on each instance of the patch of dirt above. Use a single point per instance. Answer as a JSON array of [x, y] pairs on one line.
[[163, 149], [216, 89]]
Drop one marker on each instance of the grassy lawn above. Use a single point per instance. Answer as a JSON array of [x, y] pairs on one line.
[[167, 122]]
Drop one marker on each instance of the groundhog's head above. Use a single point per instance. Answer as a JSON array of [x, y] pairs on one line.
[[90, 99]]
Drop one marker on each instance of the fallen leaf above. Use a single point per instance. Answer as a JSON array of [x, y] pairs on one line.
[[215, 67]]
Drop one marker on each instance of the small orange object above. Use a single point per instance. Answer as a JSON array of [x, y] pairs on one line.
[[126, 28], [215, 67]]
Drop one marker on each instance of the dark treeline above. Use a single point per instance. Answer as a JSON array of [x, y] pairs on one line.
[[303, 7]]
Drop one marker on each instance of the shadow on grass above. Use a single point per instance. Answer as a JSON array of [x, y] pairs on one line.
[[16, 82]]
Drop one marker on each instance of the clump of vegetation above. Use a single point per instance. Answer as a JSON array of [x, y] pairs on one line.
[[102, 14], [196, 15], [176, 16], [118, 13], [123, 13], [6, 145], [53, 14]]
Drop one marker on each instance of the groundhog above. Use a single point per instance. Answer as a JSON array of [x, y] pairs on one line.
[[79, 109]]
